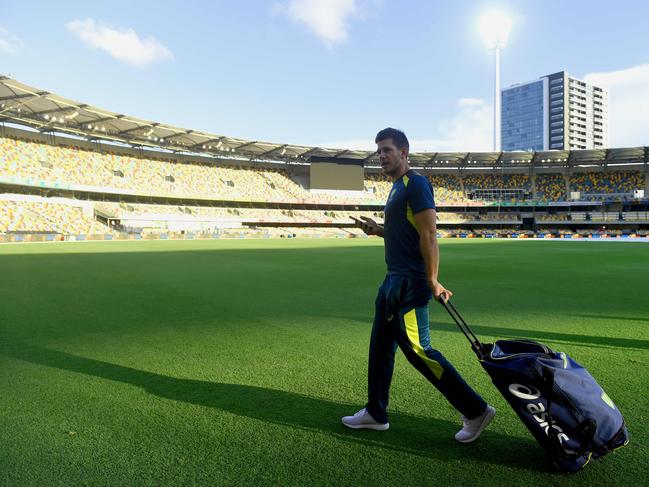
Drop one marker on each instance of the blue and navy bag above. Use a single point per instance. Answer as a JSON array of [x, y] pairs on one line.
[[559, 402]]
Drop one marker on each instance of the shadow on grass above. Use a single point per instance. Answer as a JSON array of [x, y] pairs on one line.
[[608, 317], [588, 340], [501, 332], [427, 437]]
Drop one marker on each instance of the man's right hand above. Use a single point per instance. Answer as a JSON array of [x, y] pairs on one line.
[[369, 226]]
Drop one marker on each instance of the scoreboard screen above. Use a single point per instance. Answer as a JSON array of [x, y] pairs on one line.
[[339, 174]]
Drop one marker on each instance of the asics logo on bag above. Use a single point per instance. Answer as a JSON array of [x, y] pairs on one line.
[[537, 409], [524, 392]]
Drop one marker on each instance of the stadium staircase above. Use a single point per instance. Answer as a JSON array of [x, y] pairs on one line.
[[104, 216]]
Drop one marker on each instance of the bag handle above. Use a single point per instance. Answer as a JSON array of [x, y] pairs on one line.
[[478, 348]]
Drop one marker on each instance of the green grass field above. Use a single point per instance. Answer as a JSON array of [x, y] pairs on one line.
[[231, 362]]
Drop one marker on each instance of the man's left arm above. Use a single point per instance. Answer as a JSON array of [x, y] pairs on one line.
[[427, 225]]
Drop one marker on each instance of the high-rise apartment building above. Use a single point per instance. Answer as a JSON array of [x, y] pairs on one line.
[[556, 111]]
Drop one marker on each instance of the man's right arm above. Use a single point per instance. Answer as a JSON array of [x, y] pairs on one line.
[[369, 226]]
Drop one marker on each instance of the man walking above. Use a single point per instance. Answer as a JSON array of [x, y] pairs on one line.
[[401, 307]]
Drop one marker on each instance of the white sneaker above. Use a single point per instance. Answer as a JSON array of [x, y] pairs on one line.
[[473, 427], [363, 420]]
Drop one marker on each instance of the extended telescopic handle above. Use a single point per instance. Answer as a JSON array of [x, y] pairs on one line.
[[477, 347]]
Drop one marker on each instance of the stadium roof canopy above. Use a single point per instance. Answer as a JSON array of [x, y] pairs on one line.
[[50, 113]]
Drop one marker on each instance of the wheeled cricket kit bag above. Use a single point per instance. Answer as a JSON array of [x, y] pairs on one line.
[[564, 408]]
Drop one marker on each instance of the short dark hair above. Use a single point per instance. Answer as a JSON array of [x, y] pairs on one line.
[[398, 137]]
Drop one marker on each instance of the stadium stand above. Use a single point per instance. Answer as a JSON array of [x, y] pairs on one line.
[[220, 216], [550, 187], [595, 186], [37, 163], [28, 214], [80, 173], [448, 188], [553, 217], [378, 184], [479, 181], [489, 217], [503, 187]]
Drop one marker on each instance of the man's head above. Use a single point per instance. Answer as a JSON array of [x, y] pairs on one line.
[[392, 147]]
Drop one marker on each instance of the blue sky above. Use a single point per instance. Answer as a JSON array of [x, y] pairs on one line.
[[325, 72]]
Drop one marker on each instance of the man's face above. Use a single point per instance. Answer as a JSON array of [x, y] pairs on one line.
[[393, 161]]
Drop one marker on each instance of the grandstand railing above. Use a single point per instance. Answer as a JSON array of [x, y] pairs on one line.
[[499, 194], [583, 196]]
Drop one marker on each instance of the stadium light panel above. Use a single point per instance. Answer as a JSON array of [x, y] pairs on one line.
[[494, 27]]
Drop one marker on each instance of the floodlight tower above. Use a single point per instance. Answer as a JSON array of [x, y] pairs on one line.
[[494, 28]]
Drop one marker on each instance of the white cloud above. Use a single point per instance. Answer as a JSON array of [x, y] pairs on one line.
[[628, 104], [470, 102], [123, 44], [468, 130], [327, 19], [9, 43]]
